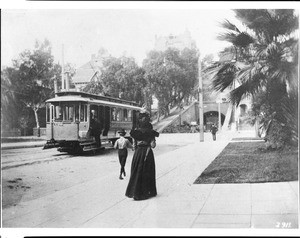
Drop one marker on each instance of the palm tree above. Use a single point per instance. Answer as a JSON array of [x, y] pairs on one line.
[[263, 61]]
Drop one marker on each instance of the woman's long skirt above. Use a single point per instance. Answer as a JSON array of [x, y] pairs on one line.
[[142, 182]]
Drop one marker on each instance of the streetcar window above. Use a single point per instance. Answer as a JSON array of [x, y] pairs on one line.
[[65, 113], [113, 114], [76, 112], [83, 113], [71, 113], [68, 112], [48, 113], [118, 114], [58, 113], [129, 115], [125, 115]]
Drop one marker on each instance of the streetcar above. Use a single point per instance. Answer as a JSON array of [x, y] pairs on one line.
[[68, 120]]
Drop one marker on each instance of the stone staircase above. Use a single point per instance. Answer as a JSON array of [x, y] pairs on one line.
[[174, 114]]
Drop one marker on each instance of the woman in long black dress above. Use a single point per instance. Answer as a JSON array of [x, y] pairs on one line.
[[142, 182]]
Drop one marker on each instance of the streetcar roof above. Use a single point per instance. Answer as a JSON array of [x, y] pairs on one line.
[[90, 100]]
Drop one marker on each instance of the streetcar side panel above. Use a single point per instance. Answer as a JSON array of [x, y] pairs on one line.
[[65, 131]]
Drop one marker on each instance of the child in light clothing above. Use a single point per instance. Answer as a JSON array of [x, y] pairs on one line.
[[122, 144]]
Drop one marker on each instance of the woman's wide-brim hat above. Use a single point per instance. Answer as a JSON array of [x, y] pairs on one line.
[[122, 132]]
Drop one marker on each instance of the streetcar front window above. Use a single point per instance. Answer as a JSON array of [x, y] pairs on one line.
[[68, 112], [48, 113], [58, 113], [71, 113], [76, 112]]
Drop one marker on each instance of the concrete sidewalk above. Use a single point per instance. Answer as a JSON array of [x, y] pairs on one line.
[[179, 203]]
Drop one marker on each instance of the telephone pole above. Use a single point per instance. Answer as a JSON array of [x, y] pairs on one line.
[[200, 95], [62, 70]]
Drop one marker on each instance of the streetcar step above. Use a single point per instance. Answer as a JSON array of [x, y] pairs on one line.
[[93, 149]]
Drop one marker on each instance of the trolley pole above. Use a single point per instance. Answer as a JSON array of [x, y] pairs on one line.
[[200, 91]]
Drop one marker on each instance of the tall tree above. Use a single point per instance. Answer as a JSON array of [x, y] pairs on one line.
[[121, 78], [263, 60], [9, 106], [34, 77], [172, 75]]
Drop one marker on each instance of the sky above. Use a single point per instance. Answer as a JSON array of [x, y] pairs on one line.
[[120, 31], [128, 30]]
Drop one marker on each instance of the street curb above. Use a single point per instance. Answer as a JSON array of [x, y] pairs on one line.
[[20, 147]]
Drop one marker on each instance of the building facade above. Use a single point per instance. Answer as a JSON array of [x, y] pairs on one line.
[[90, 71], [179, 41]]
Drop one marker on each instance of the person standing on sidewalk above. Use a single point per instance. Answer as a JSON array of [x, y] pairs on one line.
[[214, 130], [122, 144], [142, 182]]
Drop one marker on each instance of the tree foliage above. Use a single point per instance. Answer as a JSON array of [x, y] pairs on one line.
[[171, 76], [121, 78], [263, 63], [9, 106], [31, 80]]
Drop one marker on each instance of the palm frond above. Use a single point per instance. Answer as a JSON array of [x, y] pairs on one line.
[[247, 88], [224, 76], [227, 36], [243, 40], [228, 25]]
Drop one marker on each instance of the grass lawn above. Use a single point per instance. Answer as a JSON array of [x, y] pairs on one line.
[[249, 162]]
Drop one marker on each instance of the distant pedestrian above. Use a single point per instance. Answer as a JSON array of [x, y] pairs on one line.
[[214, 130], [122, 144]]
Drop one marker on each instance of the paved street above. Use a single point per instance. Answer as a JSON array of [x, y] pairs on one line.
[[96, 199]]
